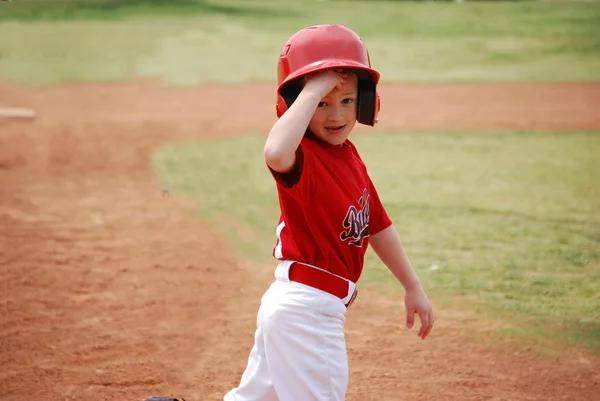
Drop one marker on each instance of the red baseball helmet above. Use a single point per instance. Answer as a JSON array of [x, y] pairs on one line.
[[322, 47]]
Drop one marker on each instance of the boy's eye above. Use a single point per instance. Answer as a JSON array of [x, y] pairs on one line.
[[348, 100], [322, 104]]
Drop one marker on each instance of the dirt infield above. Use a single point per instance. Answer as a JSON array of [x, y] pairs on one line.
[[112, 291]]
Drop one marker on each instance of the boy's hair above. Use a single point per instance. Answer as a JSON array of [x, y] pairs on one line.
[[324, 47]]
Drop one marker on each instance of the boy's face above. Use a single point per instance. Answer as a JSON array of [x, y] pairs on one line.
[[335, 115]]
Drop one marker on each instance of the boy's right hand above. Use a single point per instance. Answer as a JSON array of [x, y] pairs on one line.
[[323, 82]]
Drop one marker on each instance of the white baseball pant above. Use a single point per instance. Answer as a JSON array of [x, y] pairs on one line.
[[299, 351]]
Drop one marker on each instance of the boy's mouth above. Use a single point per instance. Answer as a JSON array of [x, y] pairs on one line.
[[335, 129]]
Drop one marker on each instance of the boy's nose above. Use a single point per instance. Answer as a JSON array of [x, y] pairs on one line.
[[336, 113]]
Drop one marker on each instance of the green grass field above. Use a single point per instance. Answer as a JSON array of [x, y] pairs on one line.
[[509, 221], [188, 41]]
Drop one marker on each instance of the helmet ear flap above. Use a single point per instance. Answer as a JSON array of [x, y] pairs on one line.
[[287, 95], [280, 107], [368, 101]]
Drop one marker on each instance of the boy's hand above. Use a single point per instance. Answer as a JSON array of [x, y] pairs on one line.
[[417, 302], [323, 82]]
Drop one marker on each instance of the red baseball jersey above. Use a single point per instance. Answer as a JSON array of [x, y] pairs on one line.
[[329, 209]]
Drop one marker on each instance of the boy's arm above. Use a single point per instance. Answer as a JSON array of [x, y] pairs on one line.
[[389, 249], [287, 132]]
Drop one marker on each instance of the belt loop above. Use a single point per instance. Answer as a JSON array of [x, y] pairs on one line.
[[282, 272], [351, 292]]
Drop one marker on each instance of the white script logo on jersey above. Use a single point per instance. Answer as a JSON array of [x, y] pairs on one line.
[[356, 222]]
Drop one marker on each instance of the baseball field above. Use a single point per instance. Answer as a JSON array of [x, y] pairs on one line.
[[137, 217]]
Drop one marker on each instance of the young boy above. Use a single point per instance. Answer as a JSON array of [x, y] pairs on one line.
[[330, 213]]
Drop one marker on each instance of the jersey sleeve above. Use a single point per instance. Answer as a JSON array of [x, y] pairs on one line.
[[298, 181], [378, 219]]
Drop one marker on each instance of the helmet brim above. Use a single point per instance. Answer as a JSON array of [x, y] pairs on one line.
[[326, 65]]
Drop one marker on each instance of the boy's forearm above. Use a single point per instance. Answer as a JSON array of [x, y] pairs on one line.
[[389, 249], [286, 134]]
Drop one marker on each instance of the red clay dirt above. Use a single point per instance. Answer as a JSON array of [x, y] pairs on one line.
[[112, 291]]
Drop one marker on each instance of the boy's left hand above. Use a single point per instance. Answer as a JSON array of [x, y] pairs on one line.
[[416, 302]]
